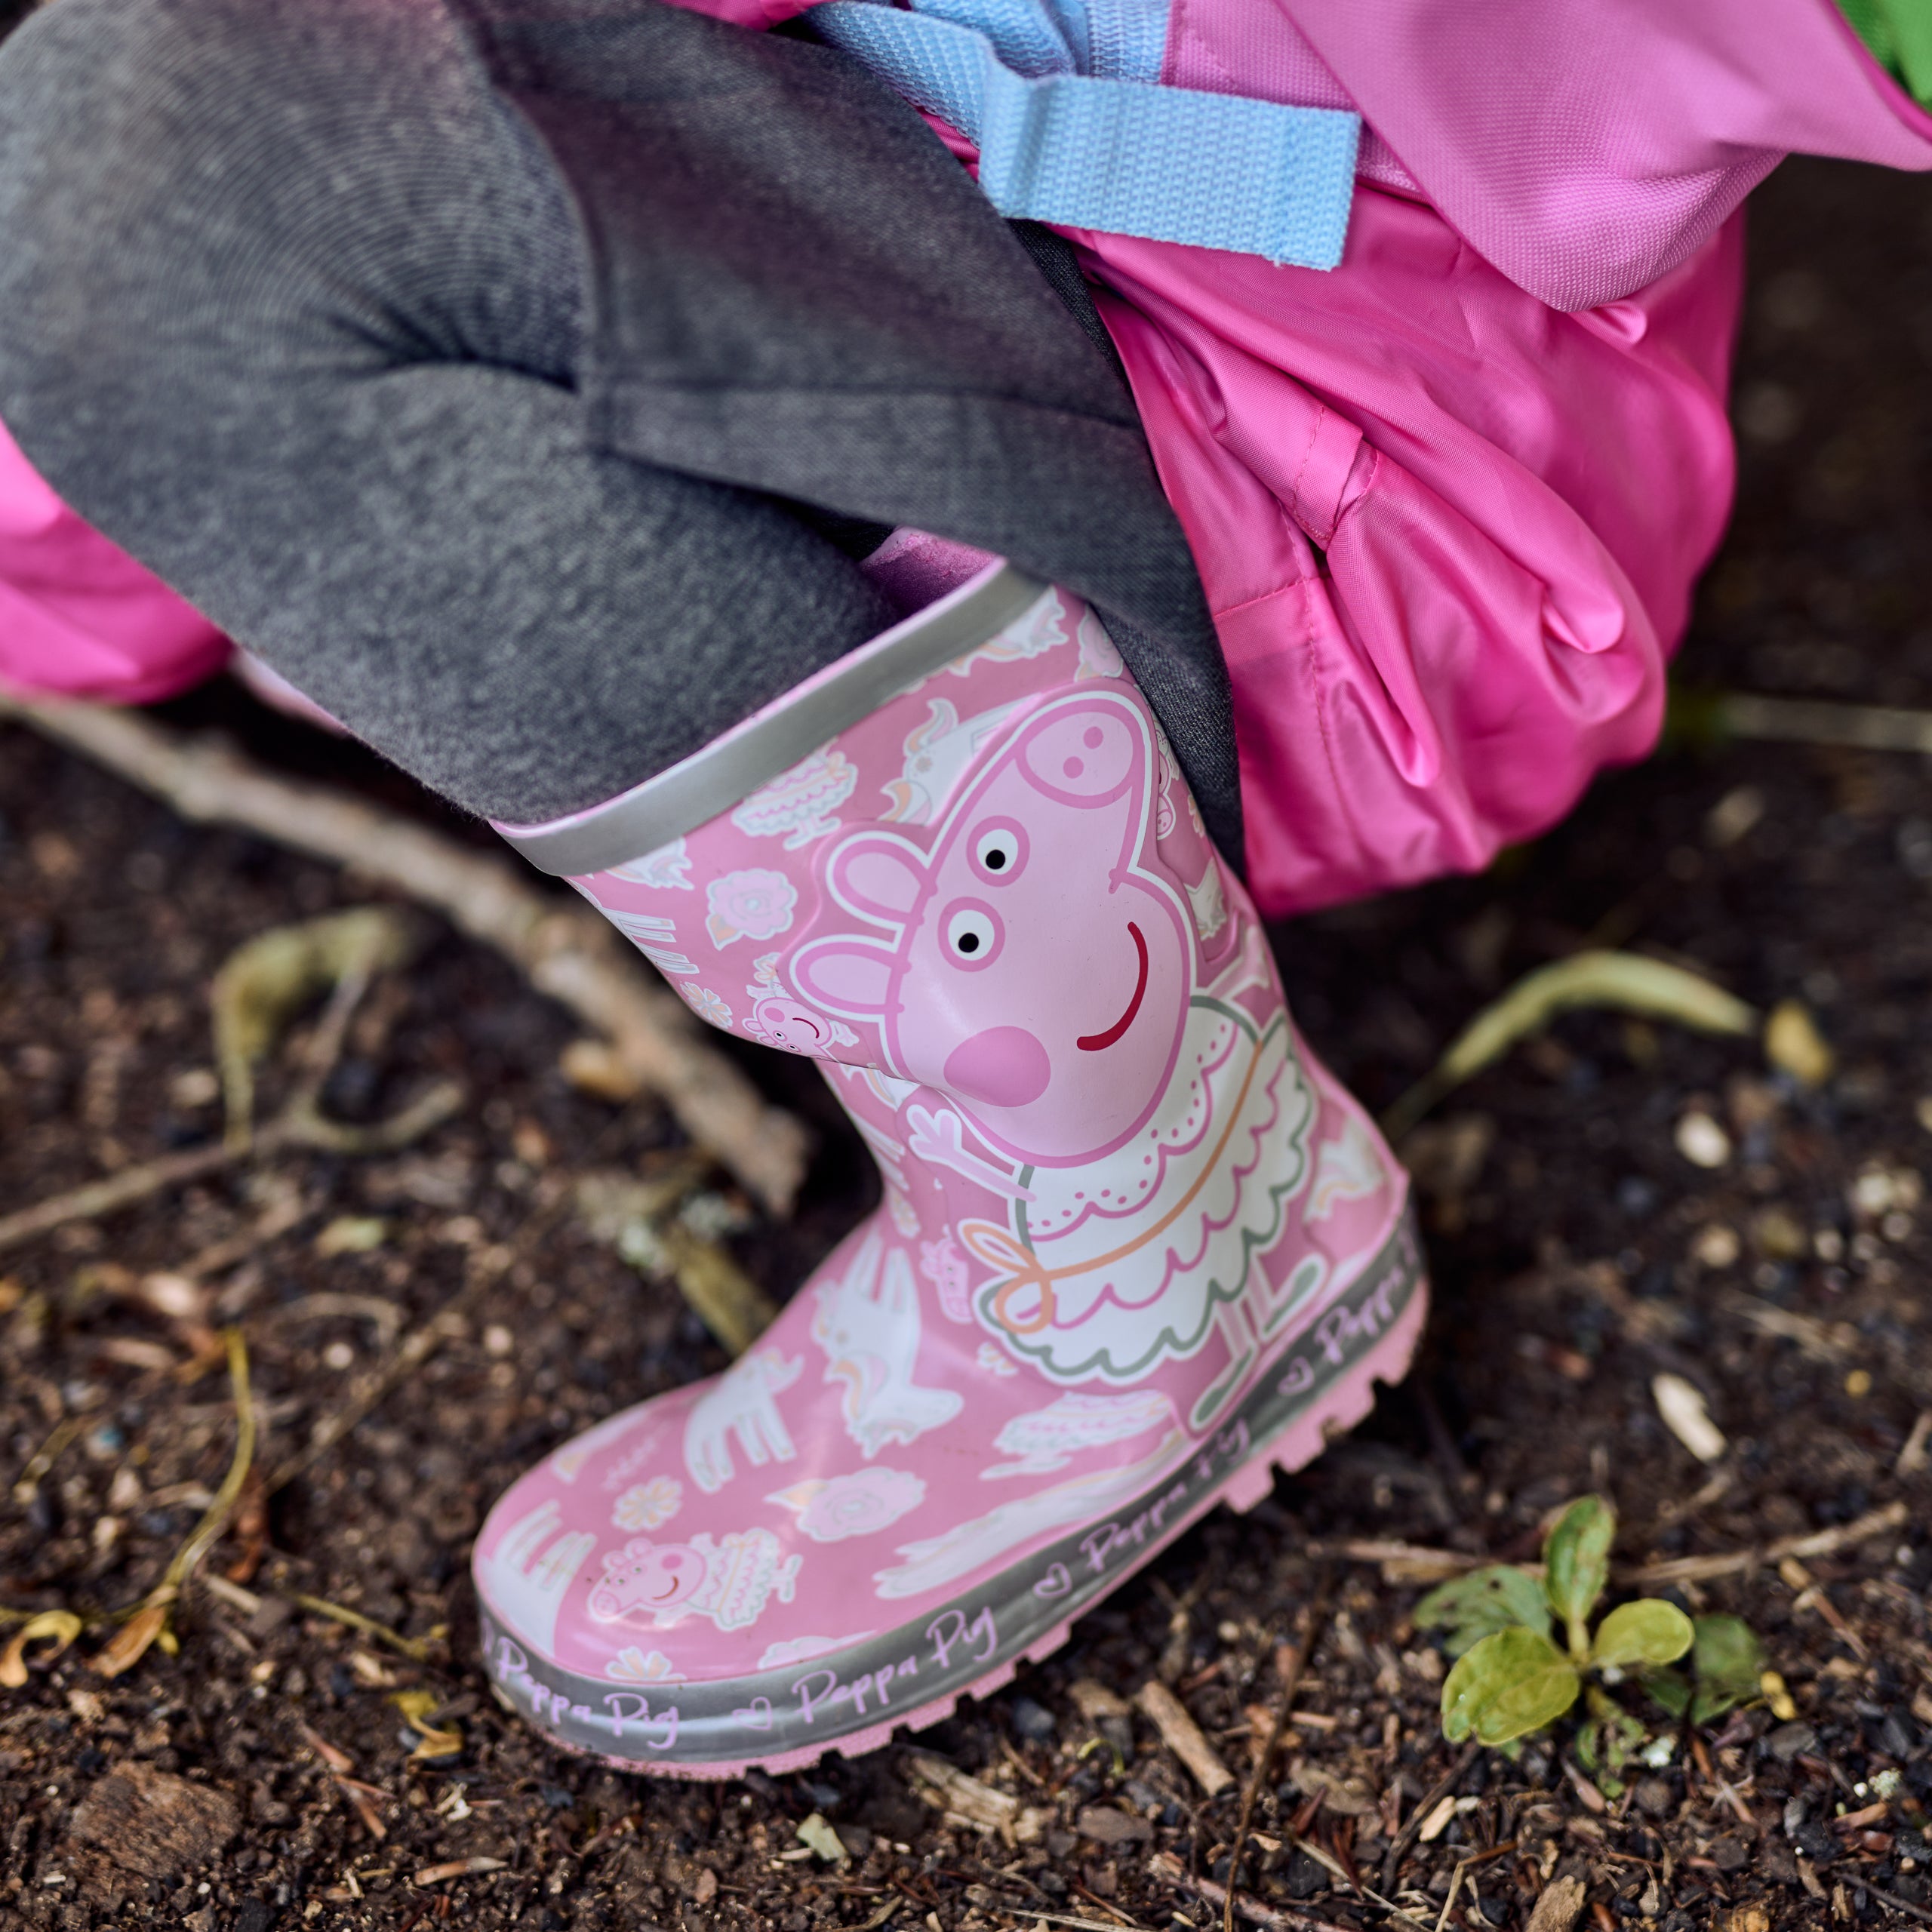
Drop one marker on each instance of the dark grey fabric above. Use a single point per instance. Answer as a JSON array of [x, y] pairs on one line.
[[472, 360], [293, 310]]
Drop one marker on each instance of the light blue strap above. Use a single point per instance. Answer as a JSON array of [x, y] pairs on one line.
[[1169, 164], [1107, 40]]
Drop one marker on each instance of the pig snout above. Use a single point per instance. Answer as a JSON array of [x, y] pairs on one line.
[[1087, 758], [1004, 1066]]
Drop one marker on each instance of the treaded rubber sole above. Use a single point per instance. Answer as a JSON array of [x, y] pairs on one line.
[[1320, 1384]]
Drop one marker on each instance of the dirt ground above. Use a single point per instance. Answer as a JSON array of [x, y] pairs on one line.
[[263, 1776]]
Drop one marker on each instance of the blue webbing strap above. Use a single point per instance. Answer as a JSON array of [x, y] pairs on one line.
[[1115, 155]]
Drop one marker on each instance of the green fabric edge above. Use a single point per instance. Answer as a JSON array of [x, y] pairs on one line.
[[1898, 34]]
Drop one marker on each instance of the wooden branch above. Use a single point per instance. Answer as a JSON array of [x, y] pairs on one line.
[[565, 950]]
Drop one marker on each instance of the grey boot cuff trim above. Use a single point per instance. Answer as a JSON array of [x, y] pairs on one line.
[[696, 789]]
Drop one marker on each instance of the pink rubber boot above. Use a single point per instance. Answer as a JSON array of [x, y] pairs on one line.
[[1137, 1248]]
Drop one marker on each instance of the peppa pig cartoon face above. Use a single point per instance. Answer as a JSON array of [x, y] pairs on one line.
[[645, 1580], [1027, 965]]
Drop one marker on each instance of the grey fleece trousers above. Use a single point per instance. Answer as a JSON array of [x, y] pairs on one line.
[[309, 351], [521, 378]]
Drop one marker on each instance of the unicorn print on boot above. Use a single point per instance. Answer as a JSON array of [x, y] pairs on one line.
[[1137, 1248]]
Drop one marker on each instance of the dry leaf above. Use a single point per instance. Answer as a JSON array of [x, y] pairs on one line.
[[1623, 982], [593, 1067], [352, 1234], [417, 1706], [1793, 1045], [58, 1627], [821, 1838], [263, 985], [129, 1644]]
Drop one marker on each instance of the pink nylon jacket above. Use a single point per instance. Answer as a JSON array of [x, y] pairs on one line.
[[1449, 501]]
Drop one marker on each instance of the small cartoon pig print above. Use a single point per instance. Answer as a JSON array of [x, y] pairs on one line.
[[1027, 963], [654, 1585]]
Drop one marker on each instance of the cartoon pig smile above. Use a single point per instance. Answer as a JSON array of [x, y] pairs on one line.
[[1030, 968], [649, 1578]]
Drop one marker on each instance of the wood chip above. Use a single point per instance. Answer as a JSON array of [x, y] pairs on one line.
[[1558, 1907], [459, 1868], [1349, 1797], [1914, 1456], [1094, 1701], [965, 1801], [816, 1835], [152, 1822], [1106, 1825], [1183, 1737], [1681, 1406]]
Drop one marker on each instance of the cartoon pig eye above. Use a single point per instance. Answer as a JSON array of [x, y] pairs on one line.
[[999, 851], [973, 934]]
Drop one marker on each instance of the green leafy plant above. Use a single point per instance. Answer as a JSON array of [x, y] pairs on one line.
[[1727, 1669], [1510, 1677]]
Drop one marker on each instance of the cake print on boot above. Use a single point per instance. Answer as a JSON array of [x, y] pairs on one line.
[[1137, 1248]]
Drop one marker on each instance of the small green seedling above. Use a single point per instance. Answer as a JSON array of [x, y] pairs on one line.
[[1727, 1669], [1509, 1679]]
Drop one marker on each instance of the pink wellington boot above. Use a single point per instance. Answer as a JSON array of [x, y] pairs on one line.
[[1136, 1249]]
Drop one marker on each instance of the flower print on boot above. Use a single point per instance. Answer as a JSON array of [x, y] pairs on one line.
[[1136, 1250]]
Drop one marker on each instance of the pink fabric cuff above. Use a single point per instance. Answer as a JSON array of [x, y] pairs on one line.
[[79, 617]]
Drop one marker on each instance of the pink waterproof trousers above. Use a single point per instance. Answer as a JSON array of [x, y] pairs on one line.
[[1449, 501]]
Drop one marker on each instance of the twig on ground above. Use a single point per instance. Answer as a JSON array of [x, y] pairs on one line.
[[105, 1197], [418, 1649], [1297, 1655], [1463, 1866], [1093, 1898], [1165, 1866], [1402, 1562], [1820, 1543], [565, 950], [1415, 1563], [146, 1623], [1798, 721], [642, 1218], [408, 1355], [1419, 1816], [1031, 1914], [300, 1126], [1897, 1904], [49, 1453]]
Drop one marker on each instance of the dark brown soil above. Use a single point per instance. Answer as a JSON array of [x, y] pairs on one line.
[[1578, 1255]]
